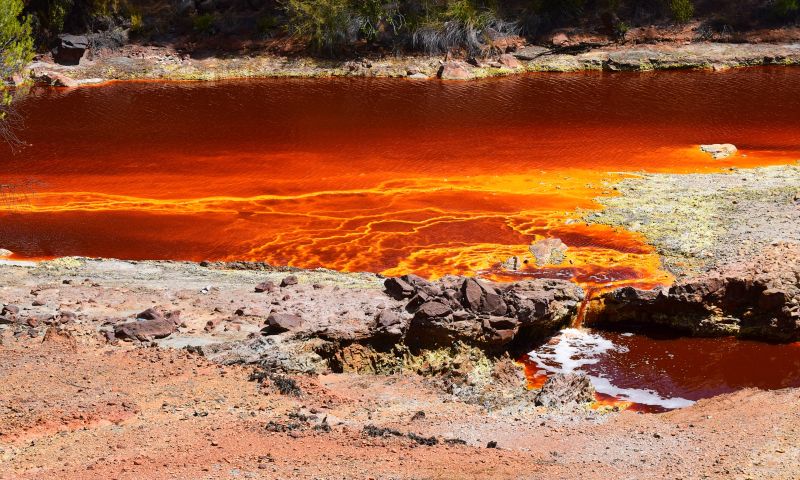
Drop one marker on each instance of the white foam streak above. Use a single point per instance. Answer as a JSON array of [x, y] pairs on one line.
[[575, 348]]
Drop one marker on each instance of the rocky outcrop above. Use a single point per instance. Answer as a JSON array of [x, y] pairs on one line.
[[464, 309], [71, 49], [760, 300]]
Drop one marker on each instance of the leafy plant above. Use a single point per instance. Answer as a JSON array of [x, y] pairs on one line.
[[266, 24], [378, 16], [786, 8], [136, 22], [681, 10], [16, 50], [203, 24], [57, 14], [327, 24]]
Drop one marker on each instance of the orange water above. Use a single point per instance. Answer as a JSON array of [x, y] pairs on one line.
[[389, 176], [690, 368]]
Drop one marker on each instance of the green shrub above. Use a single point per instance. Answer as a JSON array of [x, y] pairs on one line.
[[57, 14], [326, 24], [787, 8], [203, 24], [682, 10], [16, 50], [266, 24], [377, 16], [136, 22]]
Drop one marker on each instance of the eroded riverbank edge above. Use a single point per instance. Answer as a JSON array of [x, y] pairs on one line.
[[731, 239], [134, 62], [84, 397]]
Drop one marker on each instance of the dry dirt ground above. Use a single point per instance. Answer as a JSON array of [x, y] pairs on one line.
[[77, 407], [106, 412]]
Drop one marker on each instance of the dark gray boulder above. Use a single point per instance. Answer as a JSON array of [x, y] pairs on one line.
[[71, 49]]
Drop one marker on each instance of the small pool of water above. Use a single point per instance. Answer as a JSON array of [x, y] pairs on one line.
[[660, 373]]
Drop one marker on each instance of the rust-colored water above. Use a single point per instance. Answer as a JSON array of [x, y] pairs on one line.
[[380, 175], [652, 373]]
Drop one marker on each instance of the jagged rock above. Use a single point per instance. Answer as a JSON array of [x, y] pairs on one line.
[[289, 280], [10, 310], [719, 150], [433, 309], [544, 306], [70, 49], [398, 288], [484, 314], [472, 293], [283, 322], [565, 389]]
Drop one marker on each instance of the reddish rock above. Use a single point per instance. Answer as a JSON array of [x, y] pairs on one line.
[[212, 324], [454, 70], [398, 288], [283, 322], [149, 325], [265, 287], [61, 338], [433, 309], [509, 61], [759, 299], [288, 281]]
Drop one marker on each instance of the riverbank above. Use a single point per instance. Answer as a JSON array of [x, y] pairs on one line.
[[224, 392], [135, 62], [733, 243]]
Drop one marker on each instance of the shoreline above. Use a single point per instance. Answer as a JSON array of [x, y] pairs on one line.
[[161, 63]]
